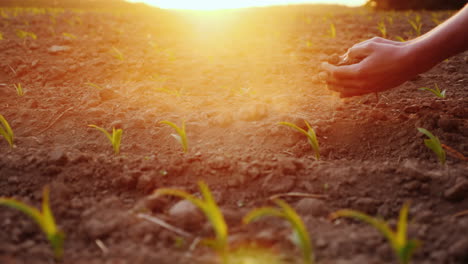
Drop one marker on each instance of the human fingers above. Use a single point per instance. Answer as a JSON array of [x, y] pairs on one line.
[[360, 51], [346, 71]]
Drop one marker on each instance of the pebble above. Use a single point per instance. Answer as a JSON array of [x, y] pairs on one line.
[[58, 157], [253, 112], [56, 49], [367, 205], [186, 214], [411, 109], [311, 206], [457, 192], [447, 124], [218, 162]]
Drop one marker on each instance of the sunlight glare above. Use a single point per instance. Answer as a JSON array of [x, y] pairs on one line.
[[217, 4]]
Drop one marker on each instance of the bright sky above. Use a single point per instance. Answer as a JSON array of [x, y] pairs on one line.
[[223, 4]]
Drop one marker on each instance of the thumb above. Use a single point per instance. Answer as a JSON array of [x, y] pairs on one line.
[[359, 52]]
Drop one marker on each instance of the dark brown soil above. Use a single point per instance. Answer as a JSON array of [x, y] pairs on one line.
[[237, 74]]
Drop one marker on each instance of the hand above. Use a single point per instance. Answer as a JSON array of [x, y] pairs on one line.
[[383, 64]]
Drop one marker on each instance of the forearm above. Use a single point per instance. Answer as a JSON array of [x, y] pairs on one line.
[[444, 41]]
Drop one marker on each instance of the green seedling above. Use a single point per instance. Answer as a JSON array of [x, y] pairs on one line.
[[434, 144], [416, 24], [332, 30], [435, 19], [19, 89], [398, 240], [400, 38], [382, 28], [115, 138], [44, 219], [390, 20], [310, 134], [300, 234], [436, 91], [212, 212], [117, 54], [181, 136], [69, 35], [94, 85], [253, 254], [24, 34], [5, 131]]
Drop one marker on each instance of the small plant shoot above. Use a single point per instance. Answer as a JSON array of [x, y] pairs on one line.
[[115, 138], [24, 34], [436, 91], [382, 28], [212, 212], [332, 30], [398, 240], [416, 24], [181, 136], [44, 219], [117, 54], [5, 131], [434, 144], [19, 89], [300, 234], [310, 134]]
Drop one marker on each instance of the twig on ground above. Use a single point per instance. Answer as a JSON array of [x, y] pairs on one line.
[[13, 70], [101, 246], [298, 194], [55, 121], [164, 224], [462, 213], [454, 153]]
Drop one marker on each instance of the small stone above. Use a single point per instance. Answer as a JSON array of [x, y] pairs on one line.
[[253, 112], [411, 109], [459, 191], [447, 123], [58, 157], [56, 49], [367, 205], [218, 162], [186, 214], [311, 206]]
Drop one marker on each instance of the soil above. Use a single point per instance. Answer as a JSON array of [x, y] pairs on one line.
[[231, 76]]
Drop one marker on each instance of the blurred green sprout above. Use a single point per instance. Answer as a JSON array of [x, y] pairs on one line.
[[6, 131], [212, 212], [398, 240], [24, 34], [300, 235], [117, 54], [44, 219], [19, 89]]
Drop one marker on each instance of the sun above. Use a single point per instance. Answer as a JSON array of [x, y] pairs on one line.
[[220, 4]]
